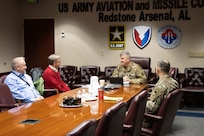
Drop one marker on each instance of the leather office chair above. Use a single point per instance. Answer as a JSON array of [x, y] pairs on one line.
[[111, 123], [193, 86], [108, 71], [68, 74], [86, 128], [134, 117], [173, 72], [2, 78], [7, 100], [145, 63], [163, 119], [85, 74]]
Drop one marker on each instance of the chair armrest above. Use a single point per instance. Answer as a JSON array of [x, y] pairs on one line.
[[182, 82], [76, 76], [76, 79], [151, 85], [127, 127], [18, 101], [73, 79], [51, 90], [152, 80], [102, 77], [8, 105], [153, 117]]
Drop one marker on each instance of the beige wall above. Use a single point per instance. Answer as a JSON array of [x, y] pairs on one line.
[[11, 41], [86, 39]]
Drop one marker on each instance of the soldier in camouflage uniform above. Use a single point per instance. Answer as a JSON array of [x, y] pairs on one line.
[[129, 70], [163, 87]]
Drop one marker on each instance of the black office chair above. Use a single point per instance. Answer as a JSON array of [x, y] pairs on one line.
[[68, 74], [86, 128], [192, 85], [108, 71], [85, 74], [111, 123], [173, 72]]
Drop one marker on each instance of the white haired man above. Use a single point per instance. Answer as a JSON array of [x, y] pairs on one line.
[[20, 83]]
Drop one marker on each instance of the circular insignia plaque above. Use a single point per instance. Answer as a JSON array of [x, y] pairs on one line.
[[169, 36]]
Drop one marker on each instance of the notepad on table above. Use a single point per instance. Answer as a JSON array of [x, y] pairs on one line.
[[107, 98]]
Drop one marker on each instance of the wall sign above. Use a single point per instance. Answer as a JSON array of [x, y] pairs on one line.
[[132, 10], [169, 36], [117, 37], [141, 35]]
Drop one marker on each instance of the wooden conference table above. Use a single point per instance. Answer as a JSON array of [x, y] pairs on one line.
[[55, 120]]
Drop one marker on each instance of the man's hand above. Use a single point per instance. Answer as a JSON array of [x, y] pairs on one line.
[[39, 98], [126, 78]]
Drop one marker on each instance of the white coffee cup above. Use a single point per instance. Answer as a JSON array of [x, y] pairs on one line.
[[101, 82]]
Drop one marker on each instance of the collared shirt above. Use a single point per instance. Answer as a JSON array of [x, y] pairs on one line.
[[133, 71], [53, 68], [22, 90]]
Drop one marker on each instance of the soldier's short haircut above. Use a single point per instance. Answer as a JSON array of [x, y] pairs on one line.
[[164, 65], [125, 53], [52, 58]]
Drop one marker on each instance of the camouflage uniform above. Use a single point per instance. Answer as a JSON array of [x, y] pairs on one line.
[[162, 88], [133, 71]]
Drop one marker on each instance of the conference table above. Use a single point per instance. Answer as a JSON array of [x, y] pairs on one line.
[[54, 120]]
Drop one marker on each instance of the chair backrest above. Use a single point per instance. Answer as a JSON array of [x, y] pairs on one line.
[[167, 111], [2, 78], [36, 73], [86, 128], [145, 63], [134, 118], [5, 95], [173, 72], [194, 77], [111, 123], [66, 72], [109, 71], [87, 71]]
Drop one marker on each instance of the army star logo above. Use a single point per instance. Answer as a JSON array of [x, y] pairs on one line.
[[116, 37], [116, 34]]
